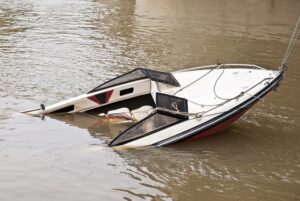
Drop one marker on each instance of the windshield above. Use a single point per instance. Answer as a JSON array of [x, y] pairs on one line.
[[138, 74]]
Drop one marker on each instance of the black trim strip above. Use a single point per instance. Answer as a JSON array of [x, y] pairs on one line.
[[221, 118], [64, 110], [126, 91]]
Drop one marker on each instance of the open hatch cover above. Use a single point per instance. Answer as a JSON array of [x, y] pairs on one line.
[[138, 74], [155, 122]]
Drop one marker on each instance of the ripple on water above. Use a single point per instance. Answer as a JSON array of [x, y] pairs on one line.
[[52, 50]]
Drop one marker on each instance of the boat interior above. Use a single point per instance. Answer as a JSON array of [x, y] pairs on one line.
[[136, 92]]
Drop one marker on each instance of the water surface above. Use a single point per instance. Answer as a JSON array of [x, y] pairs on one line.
[[53, 50]]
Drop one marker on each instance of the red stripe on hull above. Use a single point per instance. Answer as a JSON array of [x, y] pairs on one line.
[[220, 127], [94, 98], [108, 95], [101, 98]]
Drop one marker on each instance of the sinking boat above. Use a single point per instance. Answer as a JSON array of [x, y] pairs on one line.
[[170, 107], [166, 108]]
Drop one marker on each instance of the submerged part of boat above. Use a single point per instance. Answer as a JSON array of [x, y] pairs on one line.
[[172, 107]]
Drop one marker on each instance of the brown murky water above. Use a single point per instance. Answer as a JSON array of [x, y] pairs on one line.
[[52, 50]]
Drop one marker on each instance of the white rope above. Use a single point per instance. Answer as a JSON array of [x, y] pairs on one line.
[[198, 115], [193, 82], [292, 43]]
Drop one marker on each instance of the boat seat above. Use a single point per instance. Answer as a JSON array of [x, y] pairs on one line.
[[119, 115], [122, 115], [142, 112]]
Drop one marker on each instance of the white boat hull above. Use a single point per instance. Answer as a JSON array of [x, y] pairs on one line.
[[216, 97]]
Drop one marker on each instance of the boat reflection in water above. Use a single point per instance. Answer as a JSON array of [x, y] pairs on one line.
[[185, 171], [97, 126], [166, 171]]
